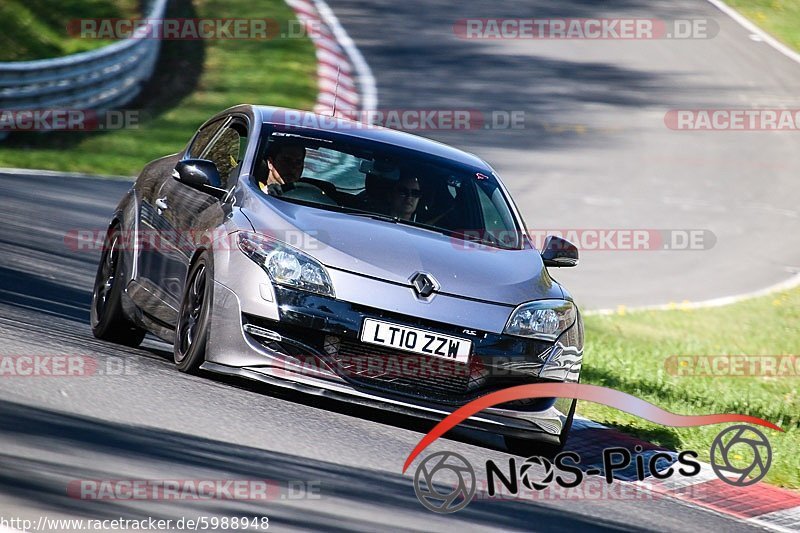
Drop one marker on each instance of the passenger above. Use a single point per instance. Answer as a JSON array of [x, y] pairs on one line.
[[404, 198]]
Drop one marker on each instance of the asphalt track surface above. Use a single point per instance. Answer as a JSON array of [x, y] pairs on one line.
[[152, 422], [595, 152], [139, 418]]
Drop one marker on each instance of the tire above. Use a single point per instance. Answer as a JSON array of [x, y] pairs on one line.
[[530, 447], [108, 320], [194, 317]]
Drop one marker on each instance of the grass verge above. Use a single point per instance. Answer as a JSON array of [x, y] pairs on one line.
[[781, 18], [634, 353], [194, 80], [37, 29]]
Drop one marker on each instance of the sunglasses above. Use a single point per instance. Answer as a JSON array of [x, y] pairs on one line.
[[409, 193]]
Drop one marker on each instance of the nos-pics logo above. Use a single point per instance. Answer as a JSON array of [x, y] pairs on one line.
[[445, 482]]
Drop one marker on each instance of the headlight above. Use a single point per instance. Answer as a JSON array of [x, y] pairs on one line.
[[543, 319], [286, 265]]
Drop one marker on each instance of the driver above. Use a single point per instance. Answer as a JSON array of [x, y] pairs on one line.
[[284, 167]]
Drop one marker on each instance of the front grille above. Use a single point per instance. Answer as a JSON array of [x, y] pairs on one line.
[[419, 376]]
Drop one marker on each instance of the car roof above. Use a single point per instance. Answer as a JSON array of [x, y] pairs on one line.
[[306, 120]]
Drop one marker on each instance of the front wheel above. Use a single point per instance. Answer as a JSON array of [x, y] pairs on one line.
[[194, 317], [107, 318], [530, 447]]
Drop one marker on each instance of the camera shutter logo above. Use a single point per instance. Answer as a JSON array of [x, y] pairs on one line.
[[444, 468], [528, 478], [727, 447]]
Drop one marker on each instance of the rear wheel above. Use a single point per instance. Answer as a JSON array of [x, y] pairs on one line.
[[194, 317], [107, 318], [531, 447]]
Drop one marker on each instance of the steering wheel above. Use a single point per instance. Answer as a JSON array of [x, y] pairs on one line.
[[309, 192]]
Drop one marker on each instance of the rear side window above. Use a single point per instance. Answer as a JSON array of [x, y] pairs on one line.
[[202, 139], [226, 152]]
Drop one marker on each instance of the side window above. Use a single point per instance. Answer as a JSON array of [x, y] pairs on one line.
[[491, 216], [202, 139], [496, 220], [227, 151]]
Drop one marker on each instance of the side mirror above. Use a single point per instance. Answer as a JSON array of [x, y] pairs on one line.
[[559, 252], [200, 174]]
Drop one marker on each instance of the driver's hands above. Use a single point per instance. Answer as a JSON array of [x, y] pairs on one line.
[[273, 189]]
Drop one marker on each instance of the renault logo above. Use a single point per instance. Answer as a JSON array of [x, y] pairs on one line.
[[424, 284]]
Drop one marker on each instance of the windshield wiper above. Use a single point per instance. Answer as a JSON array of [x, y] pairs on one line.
[[421, 225], [344, 209], [392, 219], [376, 216]]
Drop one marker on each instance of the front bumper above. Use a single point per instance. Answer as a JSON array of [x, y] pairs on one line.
[[545, 425], [289, 344]]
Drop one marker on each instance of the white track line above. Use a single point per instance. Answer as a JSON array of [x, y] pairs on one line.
[[790, 283], [60, 174], [786, 520], [749, 26], [369, 99], [345, 85], [366, 81], [676, 488]]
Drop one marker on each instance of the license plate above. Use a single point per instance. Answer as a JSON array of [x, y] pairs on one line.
[[415, 340]]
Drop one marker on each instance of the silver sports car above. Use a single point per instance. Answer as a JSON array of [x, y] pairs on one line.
[[351, 261]]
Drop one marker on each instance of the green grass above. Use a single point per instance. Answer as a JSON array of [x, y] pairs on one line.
[[629, 352], [37, 29], [781, 18], [196, 79]]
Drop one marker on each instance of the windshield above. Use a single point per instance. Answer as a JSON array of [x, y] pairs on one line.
[[396, 185]]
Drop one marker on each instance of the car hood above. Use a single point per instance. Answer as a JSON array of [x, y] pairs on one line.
[[395, 252]]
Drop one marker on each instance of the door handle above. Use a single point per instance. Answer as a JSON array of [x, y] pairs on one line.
[[161, 204]]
